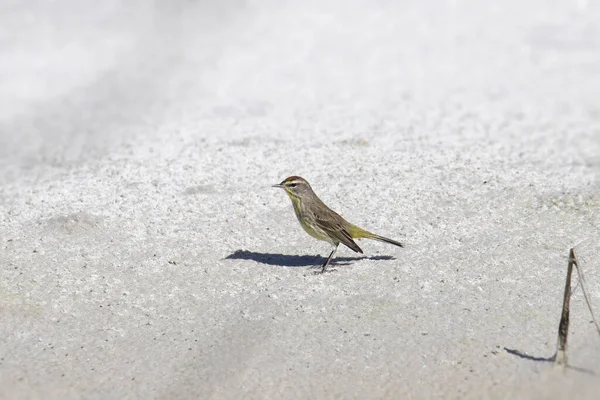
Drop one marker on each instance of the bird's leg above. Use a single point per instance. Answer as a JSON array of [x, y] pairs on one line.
[[326, 263]]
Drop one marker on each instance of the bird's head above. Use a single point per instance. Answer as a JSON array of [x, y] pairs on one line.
[[295, 186]]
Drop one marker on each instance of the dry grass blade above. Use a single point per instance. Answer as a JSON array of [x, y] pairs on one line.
[[561, 357]]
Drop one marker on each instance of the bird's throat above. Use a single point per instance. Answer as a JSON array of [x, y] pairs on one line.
[[296, 202]]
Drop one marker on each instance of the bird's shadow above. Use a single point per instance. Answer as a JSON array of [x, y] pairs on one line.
[[284, 260]]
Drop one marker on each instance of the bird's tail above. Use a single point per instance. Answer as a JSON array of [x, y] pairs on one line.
[[358, 233], [387, 240]]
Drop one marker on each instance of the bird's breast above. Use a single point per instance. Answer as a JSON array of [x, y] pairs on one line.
[[307, 222]]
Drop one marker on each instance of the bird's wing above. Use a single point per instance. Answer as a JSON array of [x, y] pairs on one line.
[[334, 226]]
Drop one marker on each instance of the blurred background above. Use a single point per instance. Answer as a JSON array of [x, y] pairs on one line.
[[79, 78]]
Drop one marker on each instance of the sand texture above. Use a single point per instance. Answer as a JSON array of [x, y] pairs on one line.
[[144, 253]]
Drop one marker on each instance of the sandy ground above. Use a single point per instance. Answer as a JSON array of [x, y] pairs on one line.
[[144, 254]]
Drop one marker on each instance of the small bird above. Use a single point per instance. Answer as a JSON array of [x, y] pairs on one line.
[[321, 222]]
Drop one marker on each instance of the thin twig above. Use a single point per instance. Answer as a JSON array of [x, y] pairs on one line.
[[563, 326], [584, 290]]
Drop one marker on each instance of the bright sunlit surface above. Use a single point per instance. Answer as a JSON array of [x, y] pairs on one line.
[[144, 253]]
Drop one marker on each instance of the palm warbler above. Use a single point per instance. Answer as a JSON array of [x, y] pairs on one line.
[[321, 222]]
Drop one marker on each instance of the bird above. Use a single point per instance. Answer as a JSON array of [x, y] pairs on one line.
[[321, 222]]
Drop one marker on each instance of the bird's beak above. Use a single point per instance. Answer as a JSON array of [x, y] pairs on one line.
[[279, 185]]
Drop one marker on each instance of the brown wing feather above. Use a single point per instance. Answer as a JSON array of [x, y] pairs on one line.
[[333, 224], [349, 241]]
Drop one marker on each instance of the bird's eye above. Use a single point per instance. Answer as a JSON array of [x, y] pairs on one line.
[[293, 185]]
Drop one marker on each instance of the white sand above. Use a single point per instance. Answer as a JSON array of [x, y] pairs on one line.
[[144, 255]]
